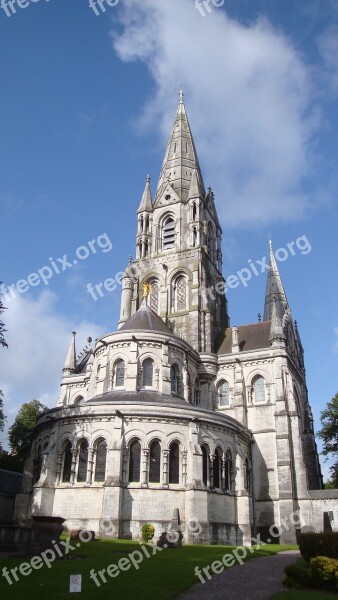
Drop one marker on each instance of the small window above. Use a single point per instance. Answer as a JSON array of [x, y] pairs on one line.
[[217, 466], [167, 197], [83, 462], [37, 465], [247, 479], [197, 392], [259, 389], [174, 463], [205, 460], [224, 394], [153, 298], [67, 463], [101, 459], [148, 373], [119, 373], [155, 463], [169, 233], [135, 461], [174, 378]]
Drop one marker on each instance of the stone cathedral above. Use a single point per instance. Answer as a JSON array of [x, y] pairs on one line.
[[178, 409]]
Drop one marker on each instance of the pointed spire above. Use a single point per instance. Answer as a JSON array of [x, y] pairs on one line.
[[146, 201], [274, 287], [276, 329], [70, 363], [180, 158], [196, 189]]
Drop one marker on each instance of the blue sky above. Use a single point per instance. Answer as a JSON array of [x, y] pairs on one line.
[[86, 107]]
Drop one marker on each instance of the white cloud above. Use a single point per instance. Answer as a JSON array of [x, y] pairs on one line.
[[248, 98], [38, 339]]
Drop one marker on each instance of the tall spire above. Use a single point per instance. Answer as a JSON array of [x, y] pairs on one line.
[[276, 330], [146, 201], [180, 158], [70, 363], [274, 287]]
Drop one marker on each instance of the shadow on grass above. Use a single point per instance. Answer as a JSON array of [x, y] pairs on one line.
[[163, 575]]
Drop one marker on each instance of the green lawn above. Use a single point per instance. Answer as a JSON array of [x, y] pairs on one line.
[[300, 595], [162, 576]]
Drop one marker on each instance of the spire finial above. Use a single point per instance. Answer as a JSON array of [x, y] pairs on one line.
[[181, 95], [148, 178]]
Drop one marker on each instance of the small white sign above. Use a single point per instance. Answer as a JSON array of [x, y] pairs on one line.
[[75, 583]]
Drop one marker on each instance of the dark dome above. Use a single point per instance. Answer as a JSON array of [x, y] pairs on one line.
[[146, 319]]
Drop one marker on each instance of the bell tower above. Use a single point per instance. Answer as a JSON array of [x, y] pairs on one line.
[[178, 247]]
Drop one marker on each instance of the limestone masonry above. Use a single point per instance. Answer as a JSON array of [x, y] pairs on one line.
[[178, 409]]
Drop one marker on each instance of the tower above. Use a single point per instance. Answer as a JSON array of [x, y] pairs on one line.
[[178, 247]]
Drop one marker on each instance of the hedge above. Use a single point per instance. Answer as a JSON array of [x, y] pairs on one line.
[[318, 544]]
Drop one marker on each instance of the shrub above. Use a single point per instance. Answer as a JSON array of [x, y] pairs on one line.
[[297, 577], [318, 544], [148, 532], [325, 571]]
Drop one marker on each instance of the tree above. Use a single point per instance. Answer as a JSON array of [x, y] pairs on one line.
[[2, 416], [21, 433], [2, 327], [329, 435]]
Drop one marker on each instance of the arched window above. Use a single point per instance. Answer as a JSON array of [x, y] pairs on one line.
[[135, 461], [153, 298], [83, 462], [79, 401], [168, 233], [217, 466], [37, 465], [101, 459], [141, 224], [174, 378], [146, 248], [194, 236], [197, 392], [259, 389], [247, 483], [98, 372], [205, 461], [174, 463], [67, 462], [223, 394], [228, 471], [147, 224], [119, 373], [194, 211], [155, 463], [147, 373], [179, 294]]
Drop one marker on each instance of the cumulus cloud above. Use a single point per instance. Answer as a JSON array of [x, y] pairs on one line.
[[248, 98], [38, 339]]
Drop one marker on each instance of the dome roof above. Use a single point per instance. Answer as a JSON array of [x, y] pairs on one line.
[[145, 319]]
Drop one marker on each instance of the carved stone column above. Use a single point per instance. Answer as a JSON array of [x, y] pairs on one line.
[[145, 462], [165, 470], [73, 467], [58, 466], [184, 467], [90, 466]]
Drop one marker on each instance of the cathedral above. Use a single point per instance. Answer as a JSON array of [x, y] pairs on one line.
[[178, 409]]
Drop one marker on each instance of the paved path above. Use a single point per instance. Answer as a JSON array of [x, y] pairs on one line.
[[257, 579]]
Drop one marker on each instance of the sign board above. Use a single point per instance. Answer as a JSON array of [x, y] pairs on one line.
[[75, 583]]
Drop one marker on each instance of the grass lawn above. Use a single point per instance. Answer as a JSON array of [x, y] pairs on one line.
[[162, 576], [301, 595]]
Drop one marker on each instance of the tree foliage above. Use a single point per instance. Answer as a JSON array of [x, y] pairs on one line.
[[329, 435], [2, 327], [21, 433]]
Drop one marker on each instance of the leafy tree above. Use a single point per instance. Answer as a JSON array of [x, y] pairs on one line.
[[2, 327], [21, 433], [329, 435], [2, 416]]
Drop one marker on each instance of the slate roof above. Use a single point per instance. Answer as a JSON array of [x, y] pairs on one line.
[[141, 396], [10, 482], [145, 319], [250, 337]]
